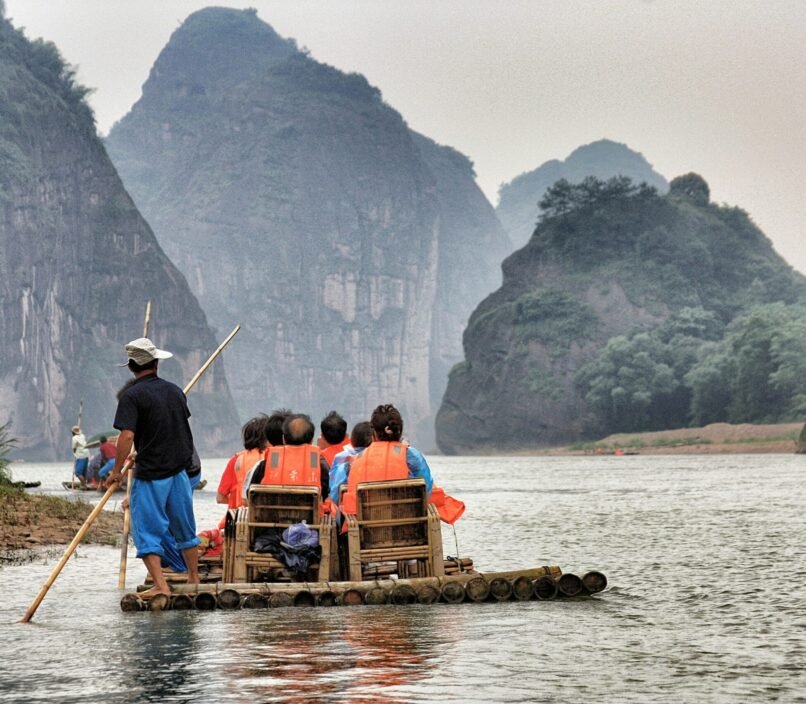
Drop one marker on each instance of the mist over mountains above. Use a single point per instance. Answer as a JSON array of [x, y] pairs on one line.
[[298, 203], [77, 265]]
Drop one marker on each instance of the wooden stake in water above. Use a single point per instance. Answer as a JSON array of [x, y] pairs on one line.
[[112, 487]]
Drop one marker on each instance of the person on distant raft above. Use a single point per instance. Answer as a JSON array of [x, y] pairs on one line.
[[152, 415], [389, 458], [108, 453], [360, 439], [333, 437], [81, 454]]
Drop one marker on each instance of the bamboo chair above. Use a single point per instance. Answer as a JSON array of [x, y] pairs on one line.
[[394, 524], [275, 506]]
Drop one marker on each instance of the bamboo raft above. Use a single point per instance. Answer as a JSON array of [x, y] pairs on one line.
[[537, 583], [389, 553]]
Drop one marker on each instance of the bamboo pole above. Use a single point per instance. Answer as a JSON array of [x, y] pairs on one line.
[[124, 543], [112, 487]]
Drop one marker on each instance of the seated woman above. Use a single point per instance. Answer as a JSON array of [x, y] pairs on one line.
[[386, 458]]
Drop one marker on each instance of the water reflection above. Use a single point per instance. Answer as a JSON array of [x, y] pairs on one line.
[[159, 654], [299, 655]]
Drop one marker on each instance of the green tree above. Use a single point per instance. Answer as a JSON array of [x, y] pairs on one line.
[[756, 373]]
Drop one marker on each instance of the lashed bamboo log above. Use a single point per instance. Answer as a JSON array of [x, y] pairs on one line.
[[304, 598], [569, 584], [205, 601], [280, 599], [545, 588], [182, 602], [255, 601], [594, 582], [426, 594], [477, 589], [229, 599], [522, 588], [501, 589], [376, 596]]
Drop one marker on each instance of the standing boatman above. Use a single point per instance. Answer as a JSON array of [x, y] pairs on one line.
[[81, 454], [152, 415]]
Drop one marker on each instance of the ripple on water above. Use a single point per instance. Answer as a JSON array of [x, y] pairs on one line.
[[704, 558]]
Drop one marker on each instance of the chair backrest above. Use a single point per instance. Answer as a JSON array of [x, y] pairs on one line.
[[283, 505], [392, 514]]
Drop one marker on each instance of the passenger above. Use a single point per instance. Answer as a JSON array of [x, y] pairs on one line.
[[81, 454], [333, 437], [274, 426], [230, 488], [296, 463], [108, 452], [360, 438], [388, 458]]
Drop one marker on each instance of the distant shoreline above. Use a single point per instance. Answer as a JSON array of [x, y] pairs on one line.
[[714, 439]]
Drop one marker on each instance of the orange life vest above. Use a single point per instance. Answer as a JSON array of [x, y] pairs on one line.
[[295, 465], [382, 461], [330, 452], [450, 510], [246, 460]]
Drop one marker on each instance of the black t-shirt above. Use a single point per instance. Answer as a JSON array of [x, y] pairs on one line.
[[156, 412]]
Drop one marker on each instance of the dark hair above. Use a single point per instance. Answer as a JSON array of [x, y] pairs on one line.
[[274, 426], [254, 432], [361, 435], [134, 367], [102, 439], [298, 429], [387, 423], [333, 427]]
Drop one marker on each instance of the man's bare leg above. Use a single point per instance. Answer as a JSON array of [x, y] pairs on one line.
[[154, 567], [191, 556]]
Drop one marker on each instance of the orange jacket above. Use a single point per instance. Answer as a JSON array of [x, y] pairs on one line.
[[330, 452], [295, 465], [382, 461], [246, 460]]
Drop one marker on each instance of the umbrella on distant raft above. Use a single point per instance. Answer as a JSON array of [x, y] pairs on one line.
[[110, 435]]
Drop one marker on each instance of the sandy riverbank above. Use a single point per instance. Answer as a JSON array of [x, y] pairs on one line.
[[717, 438], [29, 521]]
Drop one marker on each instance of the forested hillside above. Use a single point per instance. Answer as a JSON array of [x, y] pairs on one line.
[[77, 264], [630, 310]]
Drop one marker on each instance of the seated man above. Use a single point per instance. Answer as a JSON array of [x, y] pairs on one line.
[[333, 437], [360, 439], [296, 463]]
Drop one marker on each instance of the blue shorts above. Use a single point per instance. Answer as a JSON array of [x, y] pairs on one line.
[[162, 507], [107, 468], [80, 467]]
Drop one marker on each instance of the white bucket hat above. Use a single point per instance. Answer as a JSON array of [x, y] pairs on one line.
[[142, 351]]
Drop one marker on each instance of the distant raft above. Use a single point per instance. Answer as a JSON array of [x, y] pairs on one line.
[[537, 583]]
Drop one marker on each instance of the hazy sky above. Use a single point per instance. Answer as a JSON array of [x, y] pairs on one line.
[[715, 87]]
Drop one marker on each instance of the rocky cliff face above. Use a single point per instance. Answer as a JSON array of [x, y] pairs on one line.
[[606, 259], [517, 208], [299, 204], [77, 264]]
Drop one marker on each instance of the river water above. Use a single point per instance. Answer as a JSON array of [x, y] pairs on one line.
[[706, 602]]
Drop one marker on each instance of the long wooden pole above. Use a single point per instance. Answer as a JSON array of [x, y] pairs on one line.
[[124, 542], [91, 518]]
